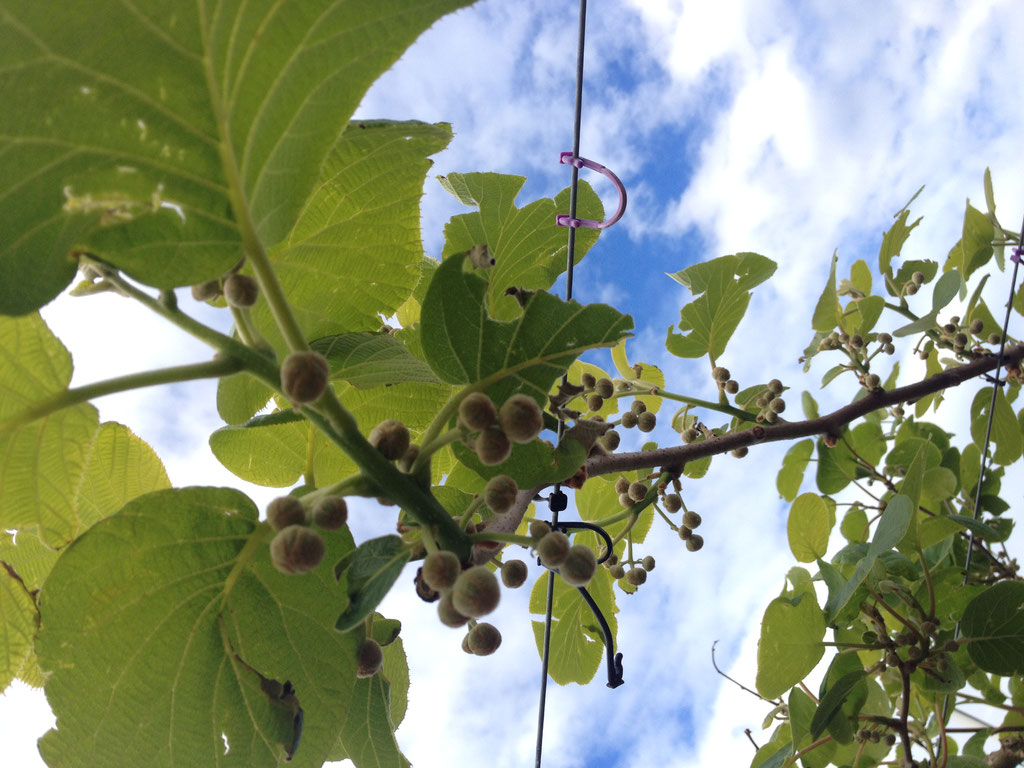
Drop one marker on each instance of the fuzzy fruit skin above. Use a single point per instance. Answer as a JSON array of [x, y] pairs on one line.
[[587, 381], [391, 438], [695, 542], [483, 639], [284, 511], [296, 549], [500, 493], [369, 658], [618, 572], [691, 519], [330, 513], [304, 376], [553, 549], [646, 421], [240, 290], [611, 440], [514, 573], [648, 563], [629, 420], [673, 502], [207, 291], [448, 614], [441, 569], [521, 418], [492, 447], [477, 411], [476, 592], [539, 529], [604, 388], [622, 485], [637, 491], [579, 566], [636, 576]]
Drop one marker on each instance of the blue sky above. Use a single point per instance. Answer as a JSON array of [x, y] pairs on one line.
[[792, 129]]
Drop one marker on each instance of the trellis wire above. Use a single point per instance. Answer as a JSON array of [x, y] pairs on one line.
[[570, 259]]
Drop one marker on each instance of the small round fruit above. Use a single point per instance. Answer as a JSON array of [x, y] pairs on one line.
[[646, 421], [648, 563], [629, 420], [553, 549], [492, 446], [207, 291], [595, 402], [690, 435], [483, 639], [638, 407], [448, 614], [622, 485], [673, 502], [775, 387], [521, 418], [500, 493], [296, 549], [409, 458], [637, 491], [740, 452], [391, 438], [624, 500], [695, 542], [476, 592], [636, 576], [539, 529], [604, 388], [618, 572], [872, 381], [685, 533], [330, 513], [304, 376], [691, 519], [777, 404], [477, 411], [284, 511], [579, 566], [441, 569], [465, 644], [240, 290], [917, 278], [513, 573], [610, 440], [369, 657], [720, 374], [587, 381], [732, 386]]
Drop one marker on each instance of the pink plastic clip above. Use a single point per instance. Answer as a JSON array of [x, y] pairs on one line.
[[563, 219]]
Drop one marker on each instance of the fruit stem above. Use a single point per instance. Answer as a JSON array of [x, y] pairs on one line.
[[721, 408], [508, 538], [474, 505], [433, 432], [353, 485], [210, 369], [429, 449]]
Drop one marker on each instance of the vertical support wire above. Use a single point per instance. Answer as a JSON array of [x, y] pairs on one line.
[[570, 259], [1017, 254]]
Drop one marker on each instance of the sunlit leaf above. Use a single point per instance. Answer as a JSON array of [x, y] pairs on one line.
[[790, 644], [993, 624]]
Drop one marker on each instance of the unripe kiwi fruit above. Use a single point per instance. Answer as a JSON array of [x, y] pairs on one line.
[[409, 458], [553, 549], [648, 563], [777, 404], [637, 491], [695, 542], [604, 388], [441, 569], [610, 440], [477, 411], [732, 386], [539, 529], [483, 639], [447, 612], [618, 572], [296, 549], [638, 407], [872, 381], [284, 511], [595, 402], [673, 502], [369, 657], [391, 438], [625, 501], [685, 533], [587, 381], [636, 576], [690, 435], [492, 446], [304, 376], [521, 418], [465, 644], [476, 592], [720, 374], [691, 519], [206, 291], [240, 290], [775, 387], [500, 493], [917, 277], [629, 420], [740, 452], [646, 421], [330, 513], [513, 573], [622, 485], [579, 566]]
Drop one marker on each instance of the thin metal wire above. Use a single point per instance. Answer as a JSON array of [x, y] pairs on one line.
[[988, 431], [570, 259]]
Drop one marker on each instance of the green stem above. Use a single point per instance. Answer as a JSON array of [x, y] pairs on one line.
[[256, 538], [625, 530], [429, 449], [210, 369], [432, 433], [474, 505], [508, 538], [353, 485], [656, 391]]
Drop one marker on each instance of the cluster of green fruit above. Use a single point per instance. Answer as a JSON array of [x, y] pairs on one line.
[[575, 563], [636, 574], [239, 291], [491, 431], [597, 390], [297, 548]]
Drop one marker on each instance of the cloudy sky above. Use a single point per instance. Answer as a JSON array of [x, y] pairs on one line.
[[788, 128]]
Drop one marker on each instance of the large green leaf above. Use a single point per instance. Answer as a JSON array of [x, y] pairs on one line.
[[163, 625], [163, 123], [790, 644], [577, 644], [368, 574], [1006, 433], [19, 619], [722, 289], [528, 248], [994, 624], [367, 360], [827, 312], [794, 463], [464, 345], [808, 527], [892, 244]]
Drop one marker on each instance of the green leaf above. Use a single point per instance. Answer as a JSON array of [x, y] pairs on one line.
[[832, 702], [860, 276], [994, 625], [855, 525], [465, 346], [837, 466], [19, 619], [790, 645], [153, 125], [368, 574], [1006, 432], [810, 405], [367, 360], [976, 241], [827, 311], [868, 310], [808, 527], [162, 624], [577, 645], [892, 244], [240, 396], [530, 464], [529, 249], [945, 289], [722, 290], [793, 465]]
